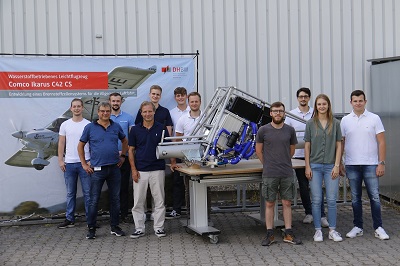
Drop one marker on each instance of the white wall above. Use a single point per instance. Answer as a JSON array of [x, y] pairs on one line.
[[268, 48]]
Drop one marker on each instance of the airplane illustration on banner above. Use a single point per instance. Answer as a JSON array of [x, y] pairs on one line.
[[41, 144]]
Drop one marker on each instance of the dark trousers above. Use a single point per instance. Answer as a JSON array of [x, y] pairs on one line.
[[124, 191], [178, 190]]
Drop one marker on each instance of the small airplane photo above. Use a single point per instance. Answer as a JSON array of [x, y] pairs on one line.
[[41, 144]]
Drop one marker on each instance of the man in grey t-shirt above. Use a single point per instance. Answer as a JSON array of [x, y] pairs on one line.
[[275, 146]]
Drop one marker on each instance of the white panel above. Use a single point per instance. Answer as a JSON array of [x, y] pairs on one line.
[[269, 48], [294, 51], [168, 24], [388, 28], [347, 29], [76, 29], [88, 35], [220, 43], [64, 20], [175, 26], [325, 43], [262, 51], [7, 42], [210, 81], [97, 27], [132, 28], [18, 27], [273, 52], [41, 27], [120, 27], [154, 44], [30, 28], [108, 24], [283, 50], [315, 42], [336, 56], [230, 37]]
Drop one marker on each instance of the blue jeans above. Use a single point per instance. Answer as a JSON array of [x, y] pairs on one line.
[[356, 174], [112, 176], [304, 188], [322, 172], [72, 171]]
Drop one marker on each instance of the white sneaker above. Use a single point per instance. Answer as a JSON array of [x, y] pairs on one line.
[[356, 231], [308, 219], [324, 222], [381, 234], [318, 237], [335, 236]]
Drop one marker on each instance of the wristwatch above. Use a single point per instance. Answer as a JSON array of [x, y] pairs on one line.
[[123, 155], [382, 162]]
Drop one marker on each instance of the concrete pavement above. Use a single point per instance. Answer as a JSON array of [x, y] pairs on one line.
[[239, 244]]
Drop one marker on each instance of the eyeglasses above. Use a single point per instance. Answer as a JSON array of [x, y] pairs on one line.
[[303, 97], [277, 111]]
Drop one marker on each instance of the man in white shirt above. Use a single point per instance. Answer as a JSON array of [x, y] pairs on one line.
[[364, 147], [69, 135], [305, 112], [178, 188]]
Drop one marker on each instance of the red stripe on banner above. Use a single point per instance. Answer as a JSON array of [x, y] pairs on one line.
[[53, 80]]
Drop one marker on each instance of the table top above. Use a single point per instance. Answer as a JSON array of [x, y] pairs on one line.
[[243, 167]]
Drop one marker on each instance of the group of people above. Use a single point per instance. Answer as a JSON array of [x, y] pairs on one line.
[[116, 148], [122, 148], [358, 138]]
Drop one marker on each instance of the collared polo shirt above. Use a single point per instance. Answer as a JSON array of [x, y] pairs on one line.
[[361, 145], [323, 142], [145, 142], [186, 124], [125, 120], [103, 142], [299, 126], [176, 113]]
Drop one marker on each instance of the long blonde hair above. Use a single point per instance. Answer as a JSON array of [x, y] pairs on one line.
[[329, 112]]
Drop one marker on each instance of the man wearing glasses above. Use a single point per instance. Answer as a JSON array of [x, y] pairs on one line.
[[105, 160], [305, 112], [275, 145]]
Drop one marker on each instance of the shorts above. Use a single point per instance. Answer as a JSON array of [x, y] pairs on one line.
[[272, 185]]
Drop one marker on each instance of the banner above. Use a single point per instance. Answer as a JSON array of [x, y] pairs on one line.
[[36, 93]]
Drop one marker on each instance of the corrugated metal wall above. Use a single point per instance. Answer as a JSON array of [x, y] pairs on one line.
[[268, 48]]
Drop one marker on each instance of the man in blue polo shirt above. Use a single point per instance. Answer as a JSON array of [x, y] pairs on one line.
[[125, 120], [147, 170], [105, 160]]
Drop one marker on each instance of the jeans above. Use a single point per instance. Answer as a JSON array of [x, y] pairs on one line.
[[72, 171], [112, 176], [322, 172], [356, 174], [304, 188], [124, 192]]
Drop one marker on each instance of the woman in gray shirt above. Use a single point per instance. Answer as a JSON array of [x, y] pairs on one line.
[[322, 158]]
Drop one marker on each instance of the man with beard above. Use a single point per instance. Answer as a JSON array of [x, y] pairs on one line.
[[275, 146], [304, 111], [125, 120]]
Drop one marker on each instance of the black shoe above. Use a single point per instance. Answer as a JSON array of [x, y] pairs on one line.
[[269, 239], [91, 233], [116, 230], [290, 238], [66, 224], [137, 234], [173, 215], [160, 233]]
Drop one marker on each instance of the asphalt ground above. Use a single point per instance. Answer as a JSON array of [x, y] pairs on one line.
[[239, 244]]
